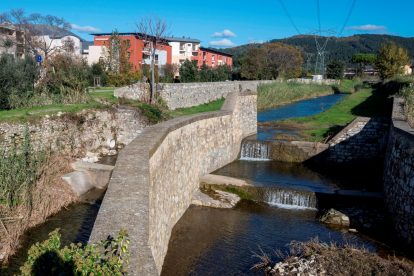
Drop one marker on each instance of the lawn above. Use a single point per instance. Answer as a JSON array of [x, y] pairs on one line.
[[366, 103], [102, 98], [99, 99], [281, 93], [211, 106]]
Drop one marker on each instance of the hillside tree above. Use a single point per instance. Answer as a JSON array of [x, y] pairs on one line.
[[391, 60], [335, 69]]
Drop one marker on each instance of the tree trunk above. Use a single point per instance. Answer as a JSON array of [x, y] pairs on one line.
[[153, 88]]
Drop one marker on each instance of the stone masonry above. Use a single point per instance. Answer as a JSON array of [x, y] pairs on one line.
[[399, 176], [157, 174], [97, 131], [363, 140], [181, 95]]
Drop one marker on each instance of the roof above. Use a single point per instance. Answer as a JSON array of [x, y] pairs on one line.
[[182, 39], [211, 50], [51, 31], [85, 45]]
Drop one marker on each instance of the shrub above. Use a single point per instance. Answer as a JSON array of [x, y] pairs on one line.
[[123, 79], [335, 69], [66, 80], [17, 79], [108, 257]]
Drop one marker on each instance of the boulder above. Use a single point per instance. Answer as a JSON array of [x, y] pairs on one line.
[[334, 217]]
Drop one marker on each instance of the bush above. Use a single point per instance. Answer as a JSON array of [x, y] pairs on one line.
[[123, 79], [335, 69], [66, 79], [108, 257], [17, 79]]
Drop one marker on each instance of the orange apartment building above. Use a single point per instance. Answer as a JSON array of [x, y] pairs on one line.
[[212, 58], [171, 51], [138, 52]]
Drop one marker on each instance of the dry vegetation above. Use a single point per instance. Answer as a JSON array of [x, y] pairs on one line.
[[331, 259], [46, 198]]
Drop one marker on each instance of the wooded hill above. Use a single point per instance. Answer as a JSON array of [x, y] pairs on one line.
[[342, 48]]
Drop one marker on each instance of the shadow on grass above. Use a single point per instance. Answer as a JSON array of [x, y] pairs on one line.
[[380, 103], [50, 263]]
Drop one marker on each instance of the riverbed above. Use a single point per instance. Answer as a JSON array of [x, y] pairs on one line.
[[209, 241]]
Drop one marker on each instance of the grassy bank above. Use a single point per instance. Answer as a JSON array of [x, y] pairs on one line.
[[367, 103], [277, 94], [208, 107]]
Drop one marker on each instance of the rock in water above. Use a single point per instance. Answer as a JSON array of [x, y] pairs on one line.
[[335, 217]]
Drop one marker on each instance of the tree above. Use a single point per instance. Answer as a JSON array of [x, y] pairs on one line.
[[153, 31], [189, 71], [271, 61], [40, 32], [363, 60], [335, 69], [391, 60]]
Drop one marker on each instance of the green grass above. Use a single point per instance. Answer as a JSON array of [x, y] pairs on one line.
[[366, 103], [211, 106], [277, 94]]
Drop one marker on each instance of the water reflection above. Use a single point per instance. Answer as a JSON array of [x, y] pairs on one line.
[[208, 241]]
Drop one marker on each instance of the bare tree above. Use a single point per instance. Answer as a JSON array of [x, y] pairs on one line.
[[39, 31], [153, 31]]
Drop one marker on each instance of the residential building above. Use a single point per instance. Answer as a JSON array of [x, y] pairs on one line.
[[11, 40], [55, 40], [213, 58], [137, 49], [183, 49]]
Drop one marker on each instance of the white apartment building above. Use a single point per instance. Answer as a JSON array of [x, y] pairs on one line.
[[183, 49]]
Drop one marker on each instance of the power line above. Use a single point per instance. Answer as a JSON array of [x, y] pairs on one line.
[[348, 16], [318, 9], [290, 17]]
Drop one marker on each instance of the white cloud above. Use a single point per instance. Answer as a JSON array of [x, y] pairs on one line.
[[85, 29], [224, 33], [368, 27], [222, 43]]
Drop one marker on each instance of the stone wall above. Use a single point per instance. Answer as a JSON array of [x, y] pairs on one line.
[[98, 131], [295, 151], [399, 176], [311, 81], [157, 174], [361, 142], [181, 95]]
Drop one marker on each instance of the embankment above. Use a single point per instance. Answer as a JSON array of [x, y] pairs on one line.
[[181, 95], [157, 173], [399, 176]]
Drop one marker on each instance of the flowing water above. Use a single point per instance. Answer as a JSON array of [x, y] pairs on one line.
[[75, 225], [208, 241], [298, 109], [255, 150]]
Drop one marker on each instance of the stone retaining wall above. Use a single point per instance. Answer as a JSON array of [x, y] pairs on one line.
[[157, 174], [363, 140], [181, 95], [399, 175], [295, 151], [98, 131]]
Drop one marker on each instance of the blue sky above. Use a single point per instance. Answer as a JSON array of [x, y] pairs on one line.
[[230, 22]]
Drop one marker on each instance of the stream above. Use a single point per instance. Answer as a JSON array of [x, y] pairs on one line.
[[208, 241]]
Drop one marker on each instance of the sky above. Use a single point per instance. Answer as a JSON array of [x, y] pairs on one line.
[[228, 23]]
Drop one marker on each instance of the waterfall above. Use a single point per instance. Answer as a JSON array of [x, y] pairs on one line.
[[290, 199], [255, 150]]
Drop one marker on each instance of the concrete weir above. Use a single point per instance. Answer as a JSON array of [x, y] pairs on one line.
[[156, 175]]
